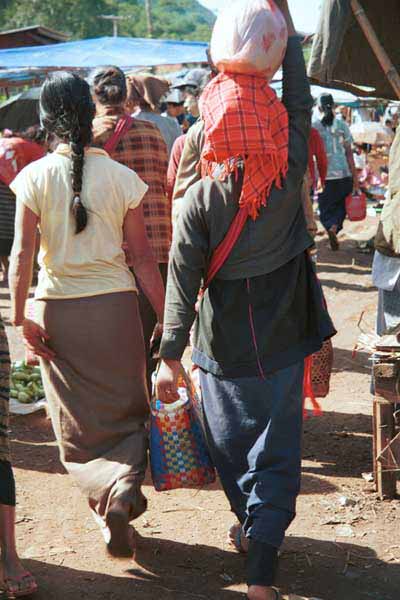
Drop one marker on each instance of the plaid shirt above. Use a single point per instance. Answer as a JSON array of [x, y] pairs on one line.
[[144, 151]]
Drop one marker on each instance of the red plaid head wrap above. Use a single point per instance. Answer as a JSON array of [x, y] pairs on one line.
[[245, 121]]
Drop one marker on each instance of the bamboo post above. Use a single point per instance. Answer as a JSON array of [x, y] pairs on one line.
[[149, 18], [380, 53], [384, 462]]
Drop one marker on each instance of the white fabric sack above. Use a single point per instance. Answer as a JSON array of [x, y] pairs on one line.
[[249, 36], [18, 408]]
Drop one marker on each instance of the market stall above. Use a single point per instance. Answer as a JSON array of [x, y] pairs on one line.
[[122, 51], [20, 111], [371, 29], [30, 65], [342, 54]]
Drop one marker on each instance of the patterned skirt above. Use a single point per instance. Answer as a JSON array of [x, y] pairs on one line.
[[4, 394]]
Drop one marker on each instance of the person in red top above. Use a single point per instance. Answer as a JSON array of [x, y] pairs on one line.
[[317, 151], [16, 151]]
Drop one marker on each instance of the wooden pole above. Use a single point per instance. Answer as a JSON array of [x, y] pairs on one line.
[[380, 53], [115, 20], [149, 18], [384, 462]]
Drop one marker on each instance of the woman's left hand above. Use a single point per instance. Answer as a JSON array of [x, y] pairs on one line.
[[36, 338], [167, 381], [356, 186]]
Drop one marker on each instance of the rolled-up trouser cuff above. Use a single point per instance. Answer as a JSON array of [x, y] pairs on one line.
[[262, 564], [268, 524]]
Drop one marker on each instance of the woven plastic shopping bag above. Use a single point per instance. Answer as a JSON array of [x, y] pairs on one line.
[[178, 453], [321, 371]]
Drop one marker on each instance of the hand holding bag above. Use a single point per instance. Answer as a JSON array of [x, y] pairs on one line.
[[178, 452], [356, 206]]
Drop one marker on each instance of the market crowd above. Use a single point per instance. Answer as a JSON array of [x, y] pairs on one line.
[[161, 213]]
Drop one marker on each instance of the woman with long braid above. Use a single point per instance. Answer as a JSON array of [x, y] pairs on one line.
[[88, 332]]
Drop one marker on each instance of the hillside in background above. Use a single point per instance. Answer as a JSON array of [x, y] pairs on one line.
[[174, 19]]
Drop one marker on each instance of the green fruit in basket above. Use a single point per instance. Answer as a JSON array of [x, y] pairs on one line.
[[20, 376], [13, 393], [36, 377], [35, 390], [24, 398]]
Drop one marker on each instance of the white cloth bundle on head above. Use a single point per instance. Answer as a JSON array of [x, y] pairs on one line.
[[249, 37]]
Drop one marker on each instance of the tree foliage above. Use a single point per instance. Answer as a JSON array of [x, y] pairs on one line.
[[174, 19]]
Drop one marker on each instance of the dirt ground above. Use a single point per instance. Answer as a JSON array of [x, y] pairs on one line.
[[331, 552]]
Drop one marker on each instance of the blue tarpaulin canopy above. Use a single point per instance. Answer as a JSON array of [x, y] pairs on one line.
[[121, 51]]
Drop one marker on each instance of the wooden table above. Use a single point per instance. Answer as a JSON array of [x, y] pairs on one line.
[[386, 448]]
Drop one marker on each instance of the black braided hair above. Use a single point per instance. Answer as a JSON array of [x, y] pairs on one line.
[[67, 110]]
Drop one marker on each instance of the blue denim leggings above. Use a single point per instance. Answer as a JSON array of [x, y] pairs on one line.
[[254, 429], [332, 202]]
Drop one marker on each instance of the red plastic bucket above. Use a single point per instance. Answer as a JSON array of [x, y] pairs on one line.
[[356, 207]]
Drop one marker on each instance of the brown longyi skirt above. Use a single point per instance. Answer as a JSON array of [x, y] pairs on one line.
[[96, 390]]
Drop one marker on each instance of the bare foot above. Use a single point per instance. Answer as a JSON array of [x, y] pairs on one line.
[[238, 539], [121, 542], [334, 243], [258, 592], [17, 580]]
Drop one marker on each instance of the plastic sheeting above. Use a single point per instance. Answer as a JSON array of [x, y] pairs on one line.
[[121, 51], [20, 111], [341, 53]]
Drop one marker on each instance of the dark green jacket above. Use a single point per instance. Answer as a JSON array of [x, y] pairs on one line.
[[277, 237]]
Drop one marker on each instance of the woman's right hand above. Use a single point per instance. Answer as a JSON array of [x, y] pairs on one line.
[[167, 381], [36, 338], [283, 6], [285, 10]]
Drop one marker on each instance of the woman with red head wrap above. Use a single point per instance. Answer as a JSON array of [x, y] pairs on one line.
[[241, 237]]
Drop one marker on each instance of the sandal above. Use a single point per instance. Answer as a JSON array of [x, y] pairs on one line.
[[237, 539], [15, 588]]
